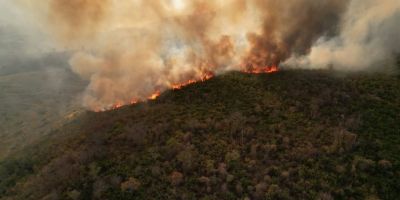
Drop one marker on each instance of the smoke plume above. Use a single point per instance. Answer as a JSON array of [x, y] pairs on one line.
[[369, 35], [131, 49]]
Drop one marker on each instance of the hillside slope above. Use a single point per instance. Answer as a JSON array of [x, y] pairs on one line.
[[288, 135], [33, 102]]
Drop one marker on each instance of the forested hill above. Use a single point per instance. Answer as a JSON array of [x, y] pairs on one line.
[[293, 134]]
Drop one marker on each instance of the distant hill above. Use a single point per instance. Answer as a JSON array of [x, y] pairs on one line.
[[34, 99], [15, 64], [294, 134]]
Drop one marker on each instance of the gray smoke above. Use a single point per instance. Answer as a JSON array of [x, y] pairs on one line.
[[369, 35]]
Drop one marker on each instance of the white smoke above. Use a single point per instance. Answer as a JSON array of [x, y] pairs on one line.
[[369, 35]]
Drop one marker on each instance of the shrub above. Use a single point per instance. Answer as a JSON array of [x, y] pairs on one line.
[[176, 178], [132, 184]]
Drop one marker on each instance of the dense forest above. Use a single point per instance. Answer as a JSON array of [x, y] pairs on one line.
[[294, 134]]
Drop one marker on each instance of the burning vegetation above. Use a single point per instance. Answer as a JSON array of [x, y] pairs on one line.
[[261, 70], [157, 93], [205, 77]]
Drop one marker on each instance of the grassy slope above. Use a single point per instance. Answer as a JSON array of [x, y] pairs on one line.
[[34, 102], [289, 135]]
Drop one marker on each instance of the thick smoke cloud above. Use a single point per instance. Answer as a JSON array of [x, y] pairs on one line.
[[130, 49], [369, 35], [291, 27], [74, 19]]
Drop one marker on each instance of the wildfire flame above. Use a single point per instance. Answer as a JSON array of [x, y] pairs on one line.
[[181, 85], [262, 70], [206, 76], [155, 95], [117, 105], [134, 101], [203, 78]]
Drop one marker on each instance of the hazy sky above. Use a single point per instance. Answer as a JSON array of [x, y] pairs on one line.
[[20, 35]]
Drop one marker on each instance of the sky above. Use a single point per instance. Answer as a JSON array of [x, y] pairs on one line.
[[20, 34]]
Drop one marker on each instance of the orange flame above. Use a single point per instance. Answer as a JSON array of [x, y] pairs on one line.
[[134, 101], [117, 105], [155, 95], [203, 78], [181, 85], [262, 70], [206, 76]]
